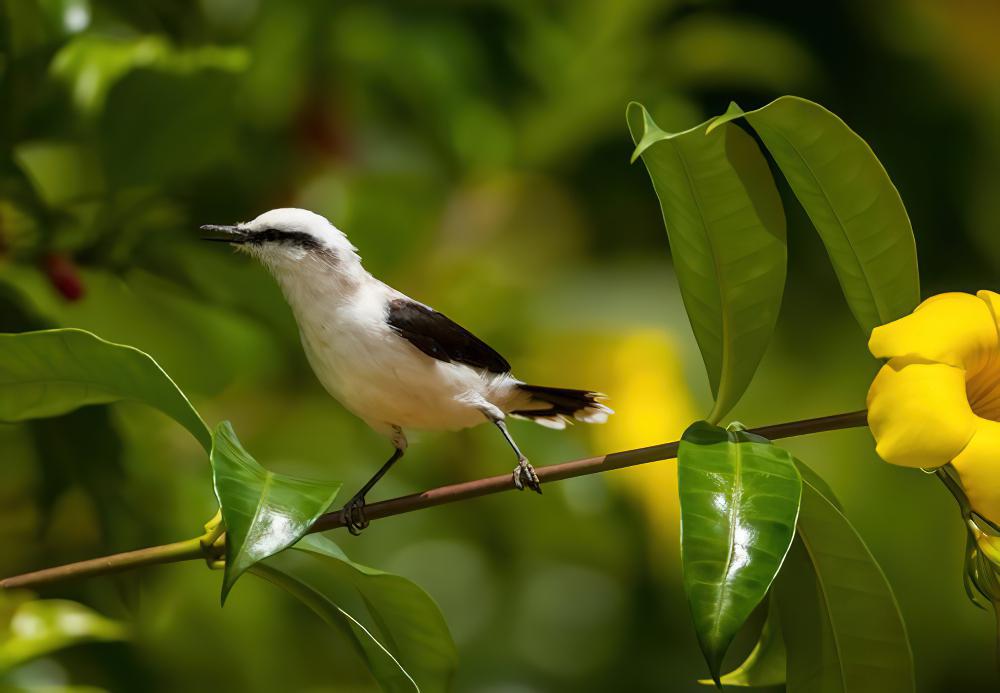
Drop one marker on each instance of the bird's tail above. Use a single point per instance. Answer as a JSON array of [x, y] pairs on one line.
[[554, 407]]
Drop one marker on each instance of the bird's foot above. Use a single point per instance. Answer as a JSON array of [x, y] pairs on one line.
[[524, 475], [354, 515]]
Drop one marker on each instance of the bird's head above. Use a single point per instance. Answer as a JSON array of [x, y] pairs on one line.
[[288, 239]]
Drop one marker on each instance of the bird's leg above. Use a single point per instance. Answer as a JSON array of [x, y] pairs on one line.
[[354, 511], [524, 473]]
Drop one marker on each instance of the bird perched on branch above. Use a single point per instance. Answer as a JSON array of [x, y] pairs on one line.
[[394, 362]]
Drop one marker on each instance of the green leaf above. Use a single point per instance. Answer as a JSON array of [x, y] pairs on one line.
[[37, 628], [396, 627], [52, 372], [62, 173], [91, 64], [739, 502], [765, 665], [380, 661], [159, 317], [264, 512], [726, 229], [819, 484], [851, 201], [842, 626]]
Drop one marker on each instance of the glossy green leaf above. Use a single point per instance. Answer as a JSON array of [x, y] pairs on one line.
[[765, 665], [52, 372], [263, 512], [396, 627], [39, 627], [851, 201], [843, 629], [739, 502], [726, 228]]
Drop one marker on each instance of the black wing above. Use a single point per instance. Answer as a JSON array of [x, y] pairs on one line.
[[442, 338]]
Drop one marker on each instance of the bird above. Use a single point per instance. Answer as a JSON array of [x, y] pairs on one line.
[[394, 362]]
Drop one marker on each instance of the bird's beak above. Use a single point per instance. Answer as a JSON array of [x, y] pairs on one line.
[[226, 234]]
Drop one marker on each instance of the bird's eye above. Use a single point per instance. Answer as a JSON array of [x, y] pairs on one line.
[[295, 238], [268, 236]]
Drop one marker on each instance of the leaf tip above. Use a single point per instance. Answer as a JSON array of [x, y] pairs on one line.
[[732, 113], [224, 428], [229, 578], [635, 117], [644, 130], [714, 660]]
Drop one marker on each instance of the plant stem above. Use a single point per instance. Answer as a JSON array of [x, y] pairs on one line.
[[192, 548], [187, 550]]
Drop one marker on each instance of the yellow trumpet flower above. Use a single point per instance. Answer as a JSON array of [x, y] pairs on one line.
[[937, 400]]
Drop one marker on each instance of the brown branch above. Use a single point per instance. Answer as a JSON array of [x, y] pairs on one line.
[[568, 470], [193, 548]]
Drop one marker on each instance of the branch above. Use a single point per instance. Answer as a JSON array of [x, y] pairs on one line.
[[187, 550], [196, 548]]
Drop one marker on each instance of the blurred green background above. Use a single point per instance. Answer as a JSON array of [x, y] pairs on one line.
[[476, 153]]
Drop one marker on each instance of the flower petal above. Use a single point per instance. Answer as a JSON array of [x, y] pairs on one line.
[[919, 414], [992, 301], [979, 468], [953, 328]]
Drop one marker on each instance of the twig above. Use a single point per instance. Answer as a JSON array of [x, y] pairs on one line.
[[194, 549], [187, 550]]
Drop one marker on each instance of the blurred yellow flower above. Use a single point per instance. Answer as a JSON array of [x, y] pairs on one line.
[[658, 408], [640, 369], [937, 400]]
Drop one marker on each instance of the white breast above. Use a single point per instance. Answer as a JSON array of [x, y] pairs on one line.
[[379, 375]]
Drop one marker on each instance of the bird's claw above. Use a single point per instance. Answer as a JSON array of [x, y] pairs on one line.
[[524, 475], [354, 515]]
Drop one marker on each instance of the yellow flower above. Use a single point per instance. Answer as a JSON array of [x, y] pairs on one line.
[[641, 370], [659, 407], [937, 400]]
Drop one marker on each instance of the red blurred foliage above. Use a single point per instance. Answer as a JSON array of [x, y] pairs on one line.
[[64, 275]]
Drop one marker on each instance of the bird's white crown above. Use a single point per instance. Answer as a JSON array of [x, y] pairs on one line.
[[292, 220]]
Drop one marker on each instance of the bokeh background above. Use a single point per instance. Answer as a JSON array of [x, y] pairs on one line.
[[476, 153]]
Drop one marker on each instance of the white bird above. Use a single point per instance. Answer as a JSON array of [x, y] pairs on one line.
[[393, 361]]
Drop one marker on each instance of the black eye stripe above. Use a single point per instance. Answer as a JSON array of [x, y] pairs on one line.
[[303, 240]]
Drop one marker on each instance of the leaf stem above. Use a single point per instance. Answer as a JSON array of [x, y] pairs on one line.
[[196, 548]]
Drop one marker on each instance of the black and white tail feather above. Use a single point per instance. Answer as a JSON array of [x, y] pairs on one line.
[[555, 407]]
